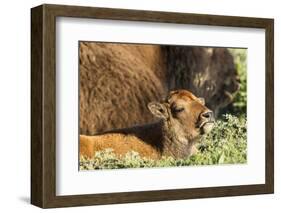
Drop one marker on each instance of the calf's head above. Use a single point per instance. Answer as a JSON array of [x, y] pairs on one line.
[[184, 114]]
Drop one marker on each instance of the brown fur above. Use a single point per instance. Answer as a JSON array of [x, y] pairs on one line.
[[117, 81], [121, 143], [182, 121]]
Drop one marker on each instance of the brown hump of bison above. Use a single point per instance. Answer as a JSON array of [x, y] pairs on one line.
[[116, 84]]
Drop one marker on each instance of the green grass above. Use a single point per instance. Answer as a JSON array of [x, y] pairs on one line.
[[226, 144]]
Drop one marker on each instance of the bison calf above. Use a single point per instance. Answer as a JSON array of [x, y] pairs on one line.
[[183, 119]]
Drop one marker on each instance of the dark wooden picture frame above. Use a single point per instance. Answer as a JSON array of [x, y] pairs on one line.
[[43, 105]]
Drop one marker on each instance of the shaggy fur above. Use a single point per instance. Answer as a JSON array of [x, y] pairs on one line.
[[183, 119], [116, 84]]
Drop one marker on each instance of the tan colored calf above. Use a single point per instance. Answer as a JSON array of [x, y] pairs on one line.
[[183, 119]]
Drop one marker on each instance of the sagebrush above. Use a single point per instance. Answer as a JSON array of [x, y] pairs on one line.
[[226, 144]]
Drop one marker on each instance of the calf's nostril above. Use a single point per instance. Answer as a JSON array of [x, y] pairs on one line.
[[207, 115]]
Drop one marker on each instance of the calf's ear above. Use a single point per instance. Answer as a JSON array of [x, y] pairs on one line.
[[202, 100], [159, 110]]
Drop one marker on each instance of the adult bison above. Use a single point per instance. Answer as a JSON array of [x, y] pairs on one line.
[[117, 81]]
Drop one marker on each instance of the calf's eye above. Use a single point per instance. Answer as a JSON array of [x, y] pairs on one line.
[[178, 110]]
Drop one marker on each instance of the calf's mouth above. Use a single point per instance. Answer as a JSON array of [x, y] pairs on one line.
[[206, 126]]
